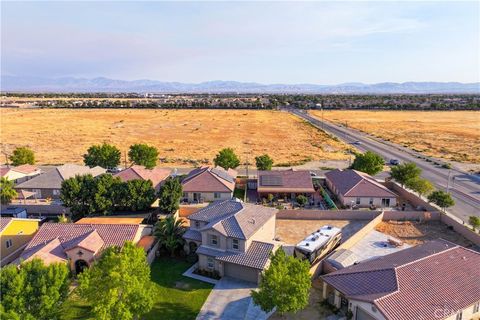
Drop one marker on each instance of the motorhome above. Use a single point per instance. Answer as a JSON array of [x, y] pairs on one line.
[[318, 244]]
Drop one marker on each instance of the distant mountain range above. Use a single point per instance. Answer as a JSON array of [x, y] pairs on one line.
[[69, 84]]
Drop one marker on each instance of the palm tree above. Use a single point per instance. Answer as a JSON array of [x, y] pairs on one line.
[[169, 233], [7, 193]]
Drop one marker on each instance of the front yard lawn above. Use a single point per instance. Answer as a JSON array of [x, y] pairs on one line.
[[175, 296]]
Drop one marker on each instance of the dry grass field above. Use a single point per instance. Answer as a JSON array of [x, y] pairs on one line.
[[452, 135], [183, 137]]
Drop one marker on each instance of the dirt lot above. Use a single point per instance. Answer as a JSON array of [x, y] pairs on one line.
[[452, 135], [293, 231], [183, 137], [418, 232]]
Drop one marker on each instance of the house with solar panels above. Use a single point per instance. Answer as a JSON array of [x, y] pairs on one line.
[[286, 184], [208, 184]]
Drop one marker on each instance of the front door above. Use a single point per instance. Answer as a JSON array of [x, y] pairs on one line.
[[196, 196], [385, 202], [80, 265]]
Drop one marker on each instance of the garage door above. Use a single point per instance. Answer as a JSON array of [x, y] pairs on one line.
[[363, 315], [241, 272]]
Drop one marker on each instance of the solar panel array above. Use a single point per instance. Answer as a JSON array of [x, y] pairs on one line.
[[271, 180], [223, 174]]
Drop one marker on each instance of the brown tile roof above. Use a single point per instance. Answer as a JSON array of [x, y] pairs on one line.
[[157, 175], [110, 220], [146, 242], [4, 222], [256, 256], [25, 168], [352, 183], [436, 274], [207, 179], [285, 181]]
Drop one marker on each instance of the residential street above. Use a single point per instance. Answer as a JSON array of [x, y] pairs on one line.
[[464, 187]]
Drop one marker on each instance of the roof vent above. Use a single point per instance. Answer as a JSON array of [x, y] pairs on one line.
[[252, 221]]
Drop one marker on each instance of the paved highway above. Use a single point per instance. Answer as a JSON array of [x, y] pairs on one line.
[[464, 188]]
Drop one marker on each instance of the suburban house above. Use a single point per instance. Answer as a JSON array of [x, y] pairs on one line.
[[209, 184], [284, 183], [20, 173], [15, 233], [434, 280], [232, 238], [358, 189], [156, 175], [48, 184], [79, 245]]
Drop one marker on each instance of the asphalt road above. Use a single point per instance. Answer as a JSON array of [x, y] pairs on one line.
[[464, 187]]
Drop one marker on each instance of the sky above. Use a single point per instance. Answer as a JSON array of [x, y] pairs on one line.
[[266, 42]]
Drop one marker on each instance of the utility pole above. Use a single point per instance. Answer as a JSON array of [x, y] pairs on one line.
[[246, 182], [125, 159], [448, 181]]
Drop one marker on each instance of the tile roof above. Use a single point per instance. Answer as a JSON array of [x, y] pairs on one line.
[[157, 175], [146, 242], [53, 179], [192, 235], [207, 179], [285, 181], [4, 222], [233, 218], [110, 220], [352, 183], [25, 168], [71, 235], [256, 256], [436, 274]]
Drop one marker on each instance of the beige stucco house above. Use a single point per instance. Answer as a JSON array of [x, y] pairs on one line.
[[232, 238], [208, 184]]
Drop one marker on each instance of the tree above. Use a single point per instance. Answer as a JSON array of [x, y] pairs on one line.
[[227, 159], [285, 284], [169, 196], [134, 195], [104, 155], [419, 185], [22, 155], [33, 291], [405, 172], [264, 162], [301, 200], [368, 162], [474, 221], [442, 199], [143, 155], [118, 285], [7, 192], [169, 232], [79, 193]]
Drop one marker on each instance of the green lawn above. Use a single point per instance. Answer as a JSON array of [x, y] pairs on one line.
[[176, 297], [239, 193]]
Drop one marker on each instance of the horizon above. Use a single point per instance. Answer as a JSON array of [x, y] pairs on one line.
[[320, 43]]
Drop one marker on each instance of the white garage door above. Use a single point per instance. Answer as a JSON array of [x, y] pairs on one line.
[[363, 315], [241, 272]]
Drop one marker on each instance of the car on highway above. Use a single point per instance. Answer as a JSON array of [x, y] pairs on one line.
[[357, 143], [394, 162]]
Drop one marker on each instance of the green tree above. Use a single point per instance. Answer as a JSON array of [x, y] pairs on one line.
[[420, 186], [301, 200], [405, 172], [104, 155], [442, 199], [227, 159], [22, 155], [134, 195], [474, 221], [33, 291], [169, 196], [143, 155], [169, 232], [7, 191], [264, 162], [118, 285], [368, 162], [79, 193], [285, 284]]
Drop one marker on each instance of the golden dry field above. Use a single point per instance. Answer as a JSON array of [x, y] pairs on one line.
[[452, 135], [183, 137]]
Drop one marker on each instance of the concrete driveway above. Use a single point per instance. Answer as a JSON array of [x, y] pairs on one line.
[[230, 299]]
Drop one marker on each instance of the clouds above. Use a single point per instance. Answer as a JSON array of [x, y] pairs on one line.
[[319, 42]]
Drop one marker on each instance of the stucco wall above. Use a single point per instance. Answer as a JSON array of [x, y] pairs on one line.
[[327, 214], [209, 196], [43, 209], [20, 232], [365, 202], [461, 229], [409, 196]]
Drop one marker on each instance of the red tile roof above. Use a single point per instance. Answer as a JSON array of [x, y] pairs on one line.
[[4, 222], [352, 183], [156, 175], [207, 179], [285, 181], [437, 274], [25, 168]]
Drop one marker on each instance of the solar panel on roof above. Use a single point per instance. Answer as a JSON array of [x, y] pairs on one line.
[[223, 174], [271, 181]]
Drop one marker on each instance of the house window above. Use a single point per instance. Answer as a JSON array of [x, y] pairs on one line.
[[235, 244], [358, 201], [476, 307], [56, 192], [459, 316], [210, 263], [213, 240], [371, 201], [216, 195], [197, 224], [8, 243]]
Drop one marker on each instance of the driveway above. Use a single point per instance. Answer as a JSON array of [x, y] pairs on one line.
[[229, 300]]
